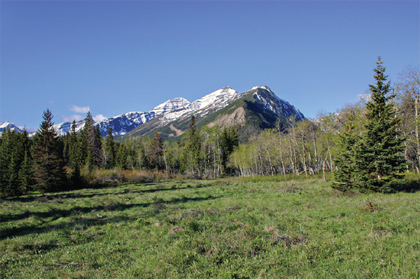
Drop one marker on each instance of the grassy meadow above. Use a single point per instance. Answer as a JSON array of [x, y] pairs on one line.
[[228, 228]]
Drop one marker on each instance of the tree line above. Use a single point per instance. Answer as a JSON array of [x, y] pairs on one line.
[[48, 163], [367, 145]]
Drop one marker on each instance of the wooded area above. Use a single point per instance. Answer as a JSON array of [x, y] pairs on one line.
[[368, 145]]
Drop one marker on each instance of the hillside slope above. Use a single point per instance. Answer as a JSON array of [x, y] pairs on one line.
[[250, 112]]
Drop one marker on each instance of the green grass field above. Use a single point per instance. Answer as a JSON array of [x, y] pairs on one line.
[[230, 228]]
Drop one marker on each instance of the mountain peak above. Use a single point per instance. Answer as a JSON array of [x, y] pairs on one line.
[[9, 125], [263, 87], [170, 105], [180, 109], [272, 102], [223, 95]]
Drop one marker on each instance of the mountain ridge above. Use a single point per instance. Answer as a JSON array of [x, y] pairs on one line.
[[174, 112]]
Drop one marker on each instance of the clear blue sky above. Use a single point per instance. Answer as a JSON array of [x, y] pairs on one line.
[[114, 57]]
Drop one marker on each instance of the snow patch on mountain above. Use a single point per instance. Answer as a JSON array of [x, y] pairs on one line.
[[171, 105], [63, 128], [272, 102], [124, 123], [9, 125], [209, 103]]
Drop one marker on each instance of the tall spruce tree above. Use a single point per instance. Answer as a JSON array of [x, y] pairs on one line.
[[98, 146], [75, 160], [379, 156], [91, 143], [26, 176], [346, 158], [156, 152], [48, 166], [12, 155], [122, 157], [109, 158], [12, 187], [6, 150], [191, 157]]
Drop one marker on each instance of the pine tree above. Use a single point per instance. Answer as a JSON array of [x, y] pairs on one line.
[[156, 152], [98, 146], [109, 160], [75, 161], [47, 163], [12, 188], [228, 141], [234, 138], [191, 157], [6, 150], [345, 161], [26, 176], [379, 159], [122, 157], [12, 154]]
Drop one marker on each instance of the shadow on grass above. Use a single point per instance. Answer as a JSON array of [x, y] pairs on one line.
[[73, 195], [58, 213], [411, 187]]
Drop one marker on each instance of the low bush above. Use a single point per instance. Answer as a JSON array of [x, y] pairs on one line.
[[113, 177]]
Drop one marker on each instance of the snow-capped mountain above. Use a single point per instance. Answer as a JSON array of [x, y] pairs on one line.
[[9, 125], [207, 104], [251, 112], [273, 103], [171, 105], [63, 128], [123, 123], [170, 110], [180, 109]]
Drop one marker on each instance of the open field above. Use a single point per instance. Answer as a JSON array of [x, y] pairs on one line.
[[230, 228]]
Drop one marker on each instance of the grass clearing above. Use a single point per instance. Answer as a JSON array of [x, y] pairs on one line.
[[229, 228]]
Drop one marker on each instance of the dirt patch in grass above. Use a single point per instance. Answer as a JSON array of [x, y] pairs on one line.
[[370, 207], [176, 230], [236, 207]]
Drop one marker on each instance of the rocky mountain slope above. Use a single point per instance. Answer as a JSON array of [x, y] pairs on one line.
[[252, 111], [258, 108]]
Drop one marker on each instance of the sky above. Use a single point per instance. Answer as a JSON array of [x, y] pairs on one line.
[[113, 57]]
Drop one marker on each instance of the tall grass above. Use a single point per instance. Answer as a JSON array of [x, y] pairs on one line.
[[229, 228]]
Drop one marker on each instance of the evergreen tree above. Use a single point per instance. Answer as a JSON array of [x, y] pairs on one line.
[[109, 158], [47, 163], [90, 141], [122, 157], [156, 152], [66, 148], [6, 150], [12, 151], [234, 138], [379, 159], [345, 161], [75, 161], [191, 159], [12, 188], [228, 141], [26, 176], [98, 146]]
